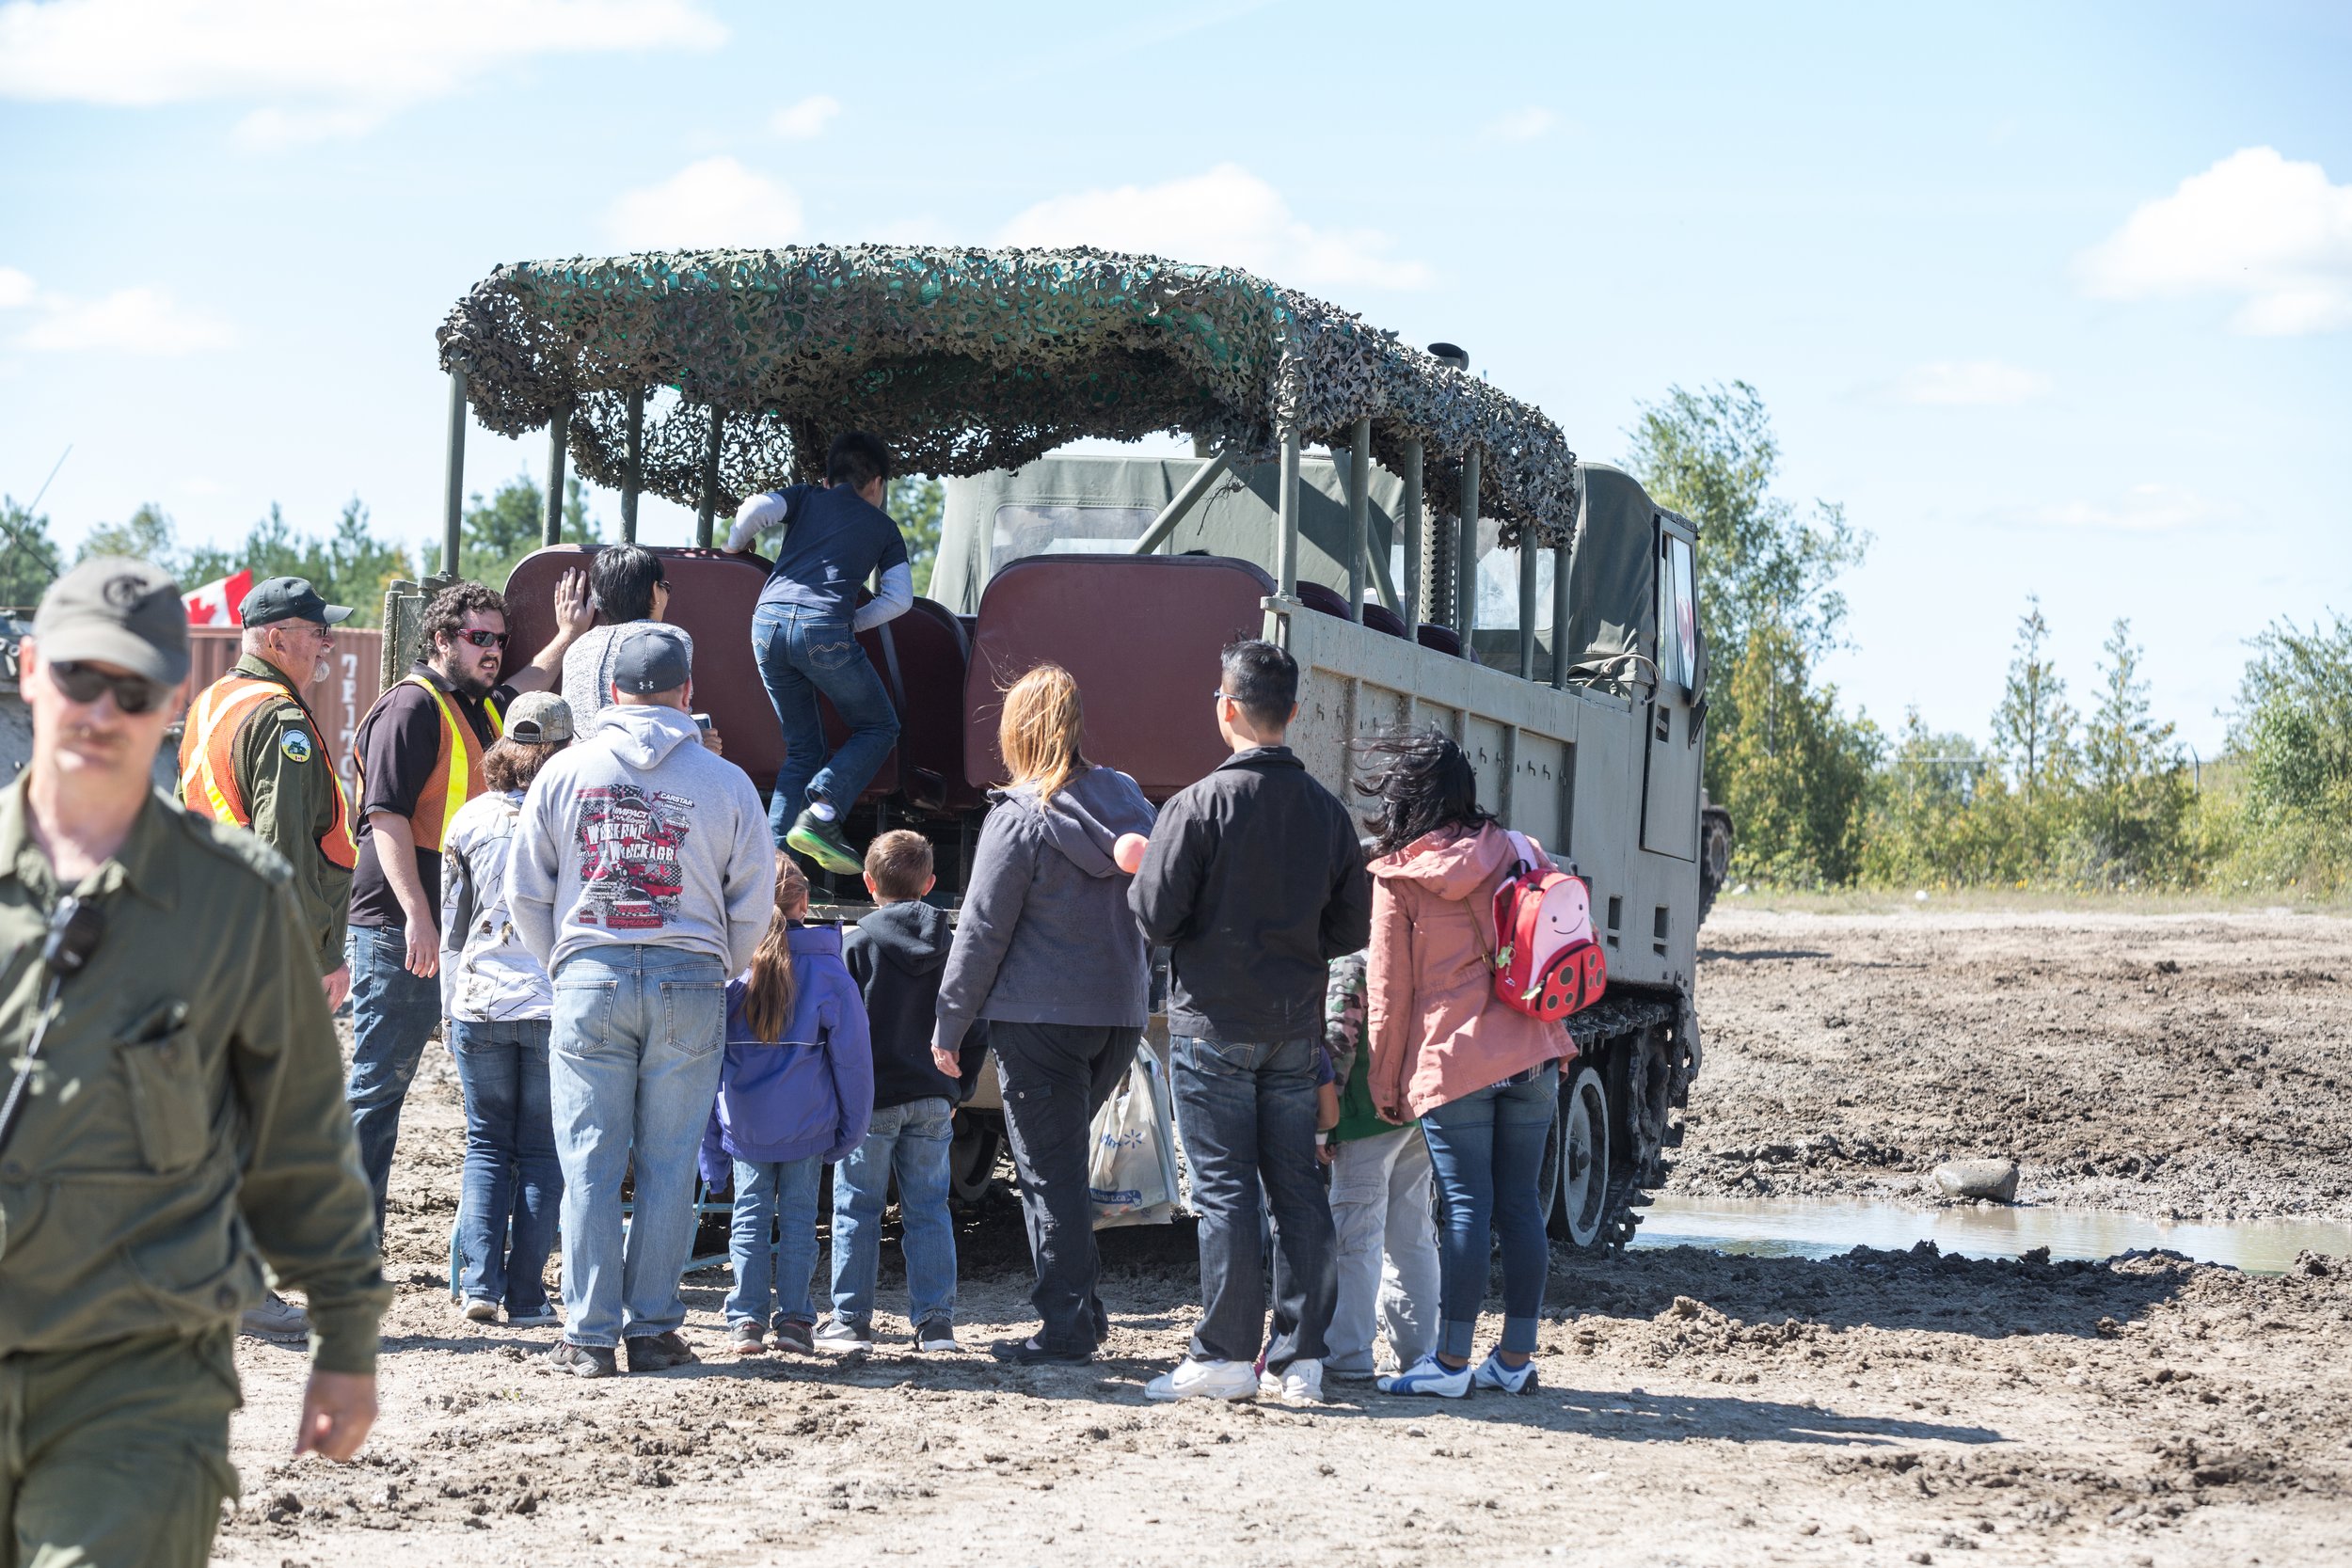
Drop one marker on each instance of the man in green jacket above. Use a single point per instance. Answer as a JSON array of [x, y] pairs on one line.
[[175, 1119], [252, 755]]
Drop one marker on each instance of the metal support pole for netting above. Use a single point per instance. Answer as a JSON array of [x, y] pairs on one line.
[[1286, 540], [1358, 514], [1559, 617], [559, 431], [1528, 554], [710, 480], [1465, 555], [454, 514], [633, 481], [1413, 609]]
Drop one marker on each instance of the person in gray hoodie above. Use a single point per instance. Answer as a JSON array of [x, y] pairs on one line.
[[640, 877], [1049, 954]]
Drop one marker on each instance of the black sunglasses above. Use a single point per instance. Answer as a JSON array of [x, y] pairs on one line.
[[481, 639], [84, 683]]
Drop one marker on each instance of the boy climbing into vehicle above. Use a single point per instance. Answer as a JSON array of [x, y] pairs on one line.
[[804, 635], [897, 955]]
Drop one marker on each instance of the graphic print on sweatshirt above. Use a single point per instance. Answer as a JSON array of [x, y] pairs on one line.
[[629, 838]]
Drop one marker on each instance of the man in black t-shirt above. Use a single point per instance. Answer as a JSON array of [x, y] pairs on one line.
[[804, 633], [417, 767]]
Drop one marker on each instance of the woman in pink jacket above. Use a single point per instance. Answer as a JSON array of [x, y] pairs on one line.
[[1482, 1077]]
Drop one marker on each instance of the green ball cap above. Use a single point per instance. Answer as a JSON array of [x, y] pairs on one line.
[[112, 610]]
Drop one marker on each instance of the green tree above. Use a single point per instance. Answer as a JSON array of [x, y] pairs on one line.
[[2294, 719], [2034, 728], [1796, 774], [29, 556], [1711, 455], [916, 504], [2137, 783], [498, 532], [147, 535]]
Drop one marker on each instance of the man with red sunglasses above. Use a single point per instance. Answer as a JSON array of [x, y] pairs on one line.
[[420, 753]]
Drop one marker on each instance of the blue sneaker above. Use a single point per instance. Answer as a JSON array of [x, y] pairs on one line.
[[1429, 1375], [1493, 1374]]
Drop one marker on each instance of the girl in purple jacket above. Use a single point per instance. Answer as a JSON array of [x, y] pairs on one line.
[[795, 1094]]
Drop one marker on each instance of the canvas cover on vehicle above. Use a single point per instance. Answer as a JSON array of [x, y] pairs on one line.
[[1612, 597], [966, 360]]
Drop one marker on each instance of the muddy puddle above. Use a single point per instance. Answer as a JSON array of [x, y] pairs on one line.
[[1824, 1228]]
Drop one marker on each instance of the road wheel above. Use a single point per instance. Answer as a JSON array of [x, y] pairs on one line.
[[1581, 1215]]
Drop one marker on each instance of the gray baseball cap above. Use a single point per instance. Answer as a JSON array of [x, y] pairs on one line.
[[651, 657], [539, 718], [112, 610]]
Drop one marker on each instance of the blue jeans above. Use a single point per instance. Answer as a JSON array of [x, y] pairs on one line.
[[802, 653], [1488, 1150], [506, 1207], [393, 1014], [775, 1263], [912, 1140], [632, 1066], [1248, 1128]]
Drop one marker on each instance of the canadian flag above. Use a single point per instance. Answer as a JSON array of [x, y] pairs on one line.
[[216, 603]]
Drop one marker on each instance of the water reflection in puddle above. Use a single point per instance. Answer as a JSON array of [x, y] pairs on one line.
[[1824, 1228]]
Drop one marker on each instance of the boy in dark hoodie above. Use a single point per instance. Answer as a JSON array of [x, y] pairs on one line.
[[897, 955]]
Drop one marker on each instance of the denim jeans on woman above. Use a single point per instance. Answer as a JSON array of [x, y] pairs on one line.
[[393, 1014], [802, 653], [1247, 1114], [506, 1209], [633, 1066], [1488, 1147], [774, 1262], [911, 1140]]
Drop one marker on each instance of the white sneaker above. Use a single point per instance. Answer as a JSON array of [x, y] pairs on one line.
[[1493, 1374], [937, 1335], [1205, 1380], [1300, 1383], [839, 1337], [1429, 1375]]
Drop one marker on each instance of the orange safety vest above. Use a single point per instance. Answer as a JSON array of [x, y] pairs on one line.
[[456, 772], [208, 759]]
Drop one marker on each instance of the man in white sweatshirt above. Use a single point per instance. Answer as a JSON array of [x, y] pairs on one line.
[[641, 875]]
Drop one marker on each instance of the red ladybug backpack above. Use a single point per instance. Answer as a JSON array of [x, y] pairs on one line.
[[1549, 965]]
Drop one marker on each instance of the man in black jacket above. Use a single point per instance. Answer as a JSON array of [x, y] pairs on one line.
[[1255, 882]]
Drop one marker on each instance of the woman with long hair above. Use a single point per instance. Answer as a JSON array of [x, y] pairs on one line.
[[1483, 1077], [1049, 954], [795, 1093]]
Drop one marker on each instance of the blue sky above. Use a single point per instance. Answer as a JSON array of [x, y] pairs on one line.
[[2056, 299]]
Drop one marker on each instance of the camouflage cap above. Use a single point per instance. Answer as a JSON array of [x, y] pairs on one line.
[[539, 718], [112, 610]]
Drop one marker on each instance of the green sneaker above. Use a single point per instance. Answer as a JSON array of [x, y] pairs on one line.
[[821, 842]]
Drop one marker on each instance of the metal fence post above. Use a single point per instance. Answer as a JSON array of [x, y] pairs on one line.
[[1414, 566], [1466, 554], [559, 431], [1559, 617], [634, 481], [1358, 514], [710, 479], [454, 514]]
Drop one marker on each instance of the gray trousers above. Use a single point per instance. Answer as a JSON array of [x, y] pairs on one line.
[[1380, 1192]]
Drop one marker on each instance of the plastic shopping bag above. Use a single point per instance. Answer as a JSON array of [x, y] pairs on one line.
[[1132, 1173]]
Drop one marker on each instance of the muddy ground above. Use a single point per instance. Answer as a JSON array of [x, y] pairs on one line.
[[1694, 1408]]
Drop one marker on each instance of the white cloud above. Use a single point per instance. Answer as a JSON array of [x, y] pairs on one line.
[[2256, 225], [806, 120], [1521, 124], [318, 67], [1969, 383], [130, 321], [715, 202], [1227, 217], [2150, 508]]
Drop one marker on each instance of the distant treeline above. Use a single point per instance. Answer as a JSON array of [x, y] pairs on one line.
[[2056, 797]]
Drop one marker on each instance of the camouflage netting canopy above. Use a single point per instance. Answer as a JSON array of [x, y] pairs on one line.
[[967, 360]]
